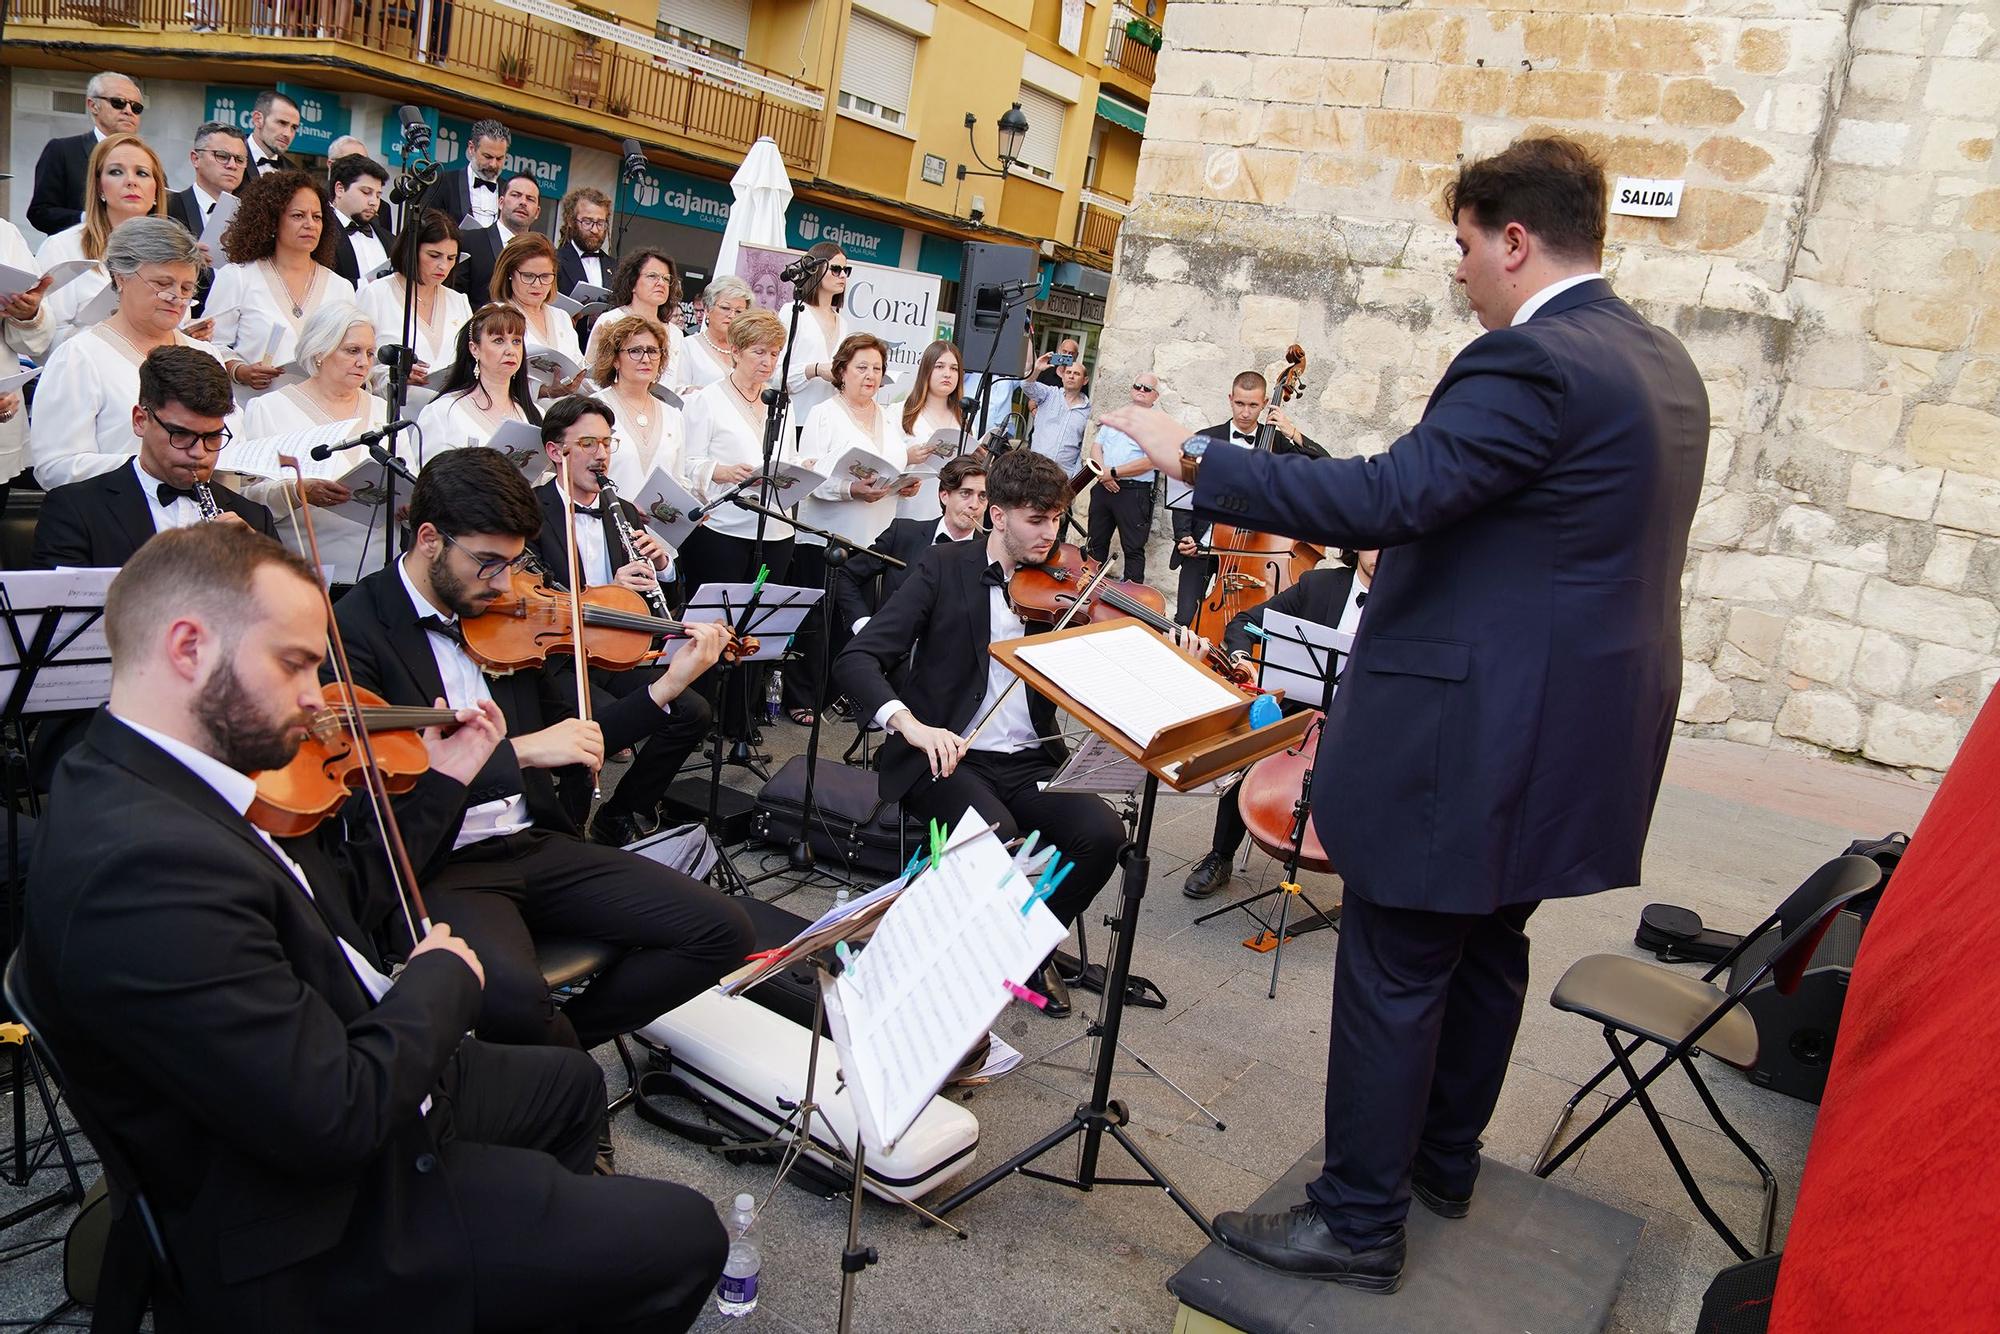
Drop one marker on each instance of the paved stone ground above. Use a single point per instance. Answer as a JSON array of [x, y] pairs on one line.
[[1737, 827]]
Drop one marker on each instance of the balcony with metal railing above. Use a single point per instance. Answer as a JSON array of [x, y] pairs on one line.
[[1098, 218], [1132, 44], [535, 46]]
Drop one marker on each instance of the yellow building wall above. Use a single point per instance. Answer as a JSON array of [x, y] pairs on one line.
[[792, 38], [1118, 164], [868, 158], [1031, 208]]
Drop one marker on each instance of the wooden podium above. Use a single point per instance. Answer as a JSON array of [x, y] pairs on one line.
[[1184, 755]]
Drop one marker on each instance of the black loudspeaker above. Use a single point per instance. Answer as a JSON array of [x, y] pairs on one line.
[[1795, 1033], [987, 267]]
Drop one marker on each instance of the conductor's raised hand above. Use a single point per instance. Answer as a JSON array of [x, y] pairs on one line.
[[706, 641], [463, 752], [1159, 435], [941, 747], [439, 939]]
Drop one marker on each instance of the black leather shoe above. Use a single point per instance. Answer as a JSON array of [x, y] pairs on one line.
[[1299, 1242], [1055, 989], [1209, 874], [615, 831], [1437, 1201]]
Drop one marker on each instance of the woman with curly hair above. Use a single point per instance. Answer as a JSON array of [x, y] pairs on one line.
[[647, 430], [486, 387], [126, 181], [279, 272], [524, 277], [648, 285]]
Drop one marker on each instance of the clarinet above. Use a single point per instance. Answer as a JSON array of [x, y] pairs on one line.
[[205, 498], [656, 600]]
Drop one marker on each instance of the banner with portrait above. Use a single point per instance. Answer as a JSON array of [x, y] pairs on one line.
[[898, 306]]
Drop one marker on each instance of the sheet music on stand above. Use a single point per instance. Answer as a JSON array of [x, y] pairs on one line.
[[934, 977], [53, 655], [1130, 677], [1100, 767], [776, 617], [1296, 656]]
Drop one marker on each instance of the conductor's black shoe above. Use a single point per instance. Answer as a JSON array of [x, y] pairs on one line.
[[1055, 989], [1437, 1200], [1298, 1241], [1209, 874], [614, 830]]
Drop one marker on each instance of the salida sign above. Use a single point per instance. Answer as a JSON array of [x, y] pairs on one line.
[[1638, 198]]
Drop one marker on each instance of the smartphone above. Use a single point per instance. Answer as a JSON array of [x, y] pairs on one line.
[[1063, 359]]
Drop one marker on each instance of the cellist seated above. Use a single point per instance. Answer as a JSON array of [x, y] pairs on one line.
[[1330, 596]]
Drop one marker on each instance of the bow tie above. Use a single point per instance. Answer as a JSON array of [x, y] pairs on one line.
[[169, 493], [942, 538], [993, 576], [590, 254], [1360, 599], [438, 625], [1246, 439], [591, 510], [481, 183], [354, 225]]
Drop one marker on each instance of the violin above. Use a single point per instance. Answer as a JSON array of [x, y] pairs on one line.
[[328, 769], [534, 619], [1047, 593]]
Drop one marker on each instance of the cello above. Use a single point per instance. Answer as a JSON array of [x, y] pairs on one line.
[[1253, 567]]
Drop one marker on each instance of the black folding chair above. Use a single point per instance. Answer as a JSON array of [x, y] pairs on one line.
[[1687, 1016], [567, 966]]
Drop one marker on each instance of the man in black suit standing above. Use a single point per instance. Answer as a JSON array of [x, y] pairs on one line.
[[220, 157], [115, 105], [473, 191], [299, 1122], [962, 497], [362, 239], [274, 123], [580, 253], [1513, 688], [518, 866], [100, 521], [950, 609], [1249, 393], [576, 433], [520, 204]]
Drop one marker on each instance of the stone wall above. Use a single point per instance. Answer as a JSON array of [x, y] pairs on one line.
[[1835, 273]]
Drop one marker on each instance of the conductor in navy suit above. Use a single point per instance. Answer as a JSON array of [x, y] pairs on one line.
[[1512, 688]]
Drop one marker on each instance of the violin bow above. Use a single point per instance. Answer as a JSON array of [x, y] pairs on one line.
[[1082, 600], [401, 871], [581, 656]]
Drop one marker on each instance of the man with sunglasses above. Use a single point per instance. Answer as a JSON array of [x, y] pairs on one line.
[[517, 871], [100, 521], [62, 171], [1123, 496]]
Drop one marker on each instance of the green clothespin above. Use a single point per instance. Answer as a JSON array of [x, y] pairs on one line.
[[763, 573], [938, 836]]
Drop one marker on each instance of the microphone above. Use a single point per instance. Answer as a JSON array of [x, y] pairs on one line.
[[416, 130], [800, 269], [635, 160], [374, 437], [396, 357]]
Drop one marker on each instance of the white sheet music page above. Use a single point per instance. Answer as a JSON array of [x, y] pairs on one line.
[[1131, 678], [78, 672], [934, 978]]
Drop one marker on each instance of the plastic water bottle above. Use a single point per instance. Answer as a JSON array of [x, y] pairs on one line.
[[840, 899], [736, 1294], [774, 697]]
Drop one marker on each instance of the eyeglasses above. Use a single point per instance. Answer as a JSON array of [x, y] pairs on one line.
[[535, 279], [180, 437], [641, 353], [842, 269], [137, 108], [169, 291], [1146, 388], [590, 444], [226, 159], [492, 565]]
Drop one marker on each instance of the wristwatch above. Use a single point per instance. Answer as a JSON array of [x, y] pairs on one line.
[[1190, 465]]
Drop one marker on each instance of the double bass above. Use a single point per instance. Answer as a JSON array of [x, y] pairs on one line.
[[1253, 567]]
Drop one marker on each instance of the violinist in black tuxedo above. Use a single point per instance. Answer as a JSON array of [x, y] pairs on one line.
[[576, 433], [518, 869], [1249, 394], [300, 1124], [100, 521], [962, 498]]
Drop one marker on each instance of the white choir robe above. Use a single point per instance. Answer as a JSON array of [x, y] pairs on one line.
[[699, 367], [66, 303], [82, 422], [811, 349], [924, 504], [558, 335], [829, 433], [19, 339], [451, 422], [349, 547], [251, 308], [436, 341], [715, 433]]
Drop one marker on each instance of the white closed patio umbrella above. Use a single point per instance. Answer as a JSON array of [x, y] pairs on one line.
[[763, 193]]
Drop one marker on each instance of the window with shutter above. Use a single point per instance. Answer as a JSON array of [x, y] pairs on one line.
[[718, 26], [877, 69], [1043, 147]]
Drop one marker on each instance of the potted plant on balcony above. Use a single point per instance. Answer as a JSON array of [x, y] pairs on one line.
[[513, 68], [1144, 33]]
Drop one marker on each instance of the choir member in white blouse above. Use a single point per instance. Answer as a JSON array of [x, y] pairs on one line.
[[932, 406], [126, 182], [486, 385], [441, 309], [647, 430], [706, 357], [279, 248], [525, 277], [336, 350], [82, 420], [856, 508], [24, 332], [822, 328], [647, 284]]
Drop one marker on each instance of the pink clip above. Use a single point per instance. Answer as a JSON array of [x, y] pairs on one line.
[[1021, 993]]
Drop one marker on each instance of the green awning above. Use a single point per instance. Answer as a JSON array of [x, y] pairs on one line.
[[1121, 113]]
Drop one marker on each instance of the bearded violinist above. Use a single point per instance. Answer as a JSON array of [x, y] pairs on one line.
[[321, 1146]]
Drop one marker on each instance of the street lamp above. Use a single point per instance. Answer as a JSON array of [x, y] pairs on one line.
[[1013, 133]]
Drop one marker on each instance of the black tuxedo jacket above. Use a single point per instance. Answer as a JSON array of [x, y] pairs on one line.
[[854, 587], [199, 1001], [61, 174], [100, 521], [570, 271], [450, 194], [1319, 596], [391, 655], [253, 170], [474, 274], [552, 543], [1184, 522], [184, 208], [344, 262], [941, 614]]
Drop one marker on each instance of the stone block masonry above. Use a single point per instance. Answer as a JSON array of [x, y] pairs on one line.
[[1835, 272]]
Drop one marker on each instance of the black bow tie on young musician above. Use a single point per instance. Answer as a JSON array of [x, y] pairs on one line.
[[353, 225], [438, 625], [582, 508], [169, 493], [1248, 439], [994, 577]]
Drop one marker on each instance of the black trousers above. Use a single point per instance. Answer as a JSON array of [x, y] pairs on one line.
[[716, 558], [678, 934], [1002, 789], [550, 1244], [659, 757], [1129, 510], [1229, 827], [1425, 1008]]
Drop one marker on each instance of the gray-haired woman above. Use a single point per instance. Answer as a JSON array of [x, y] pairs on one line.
[[707, 357]]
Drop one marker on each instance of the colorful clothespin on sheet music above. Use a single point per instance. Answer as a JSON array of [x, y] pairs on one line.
[[1021, 993], [757, 585], [940, 835], [1052, 877]]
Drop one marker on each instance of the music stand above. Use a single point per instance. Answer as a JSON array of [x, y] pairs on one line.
[[1298, 655], [750, 609], [1184, 755]]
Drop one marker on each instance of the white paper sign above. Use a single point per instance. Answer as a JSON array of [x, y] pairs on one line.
[[1636, 197]]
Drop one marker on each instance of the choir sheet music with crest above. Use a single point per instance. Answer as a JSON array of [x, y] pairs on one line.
[[934, 977]]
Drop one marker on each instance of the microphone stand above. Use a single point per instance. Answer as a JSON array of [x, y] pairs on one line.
[[981, 395], [409, 187]]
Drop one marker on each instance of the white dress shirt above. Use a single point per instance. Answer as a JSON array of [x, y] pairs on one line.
[[829, 433], [204, 203], [593, 265], [717, 431], [369, 254], [942, 533], [1013, 727], [464, 688], [1548, 294], [484, 197], [180, 512]]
